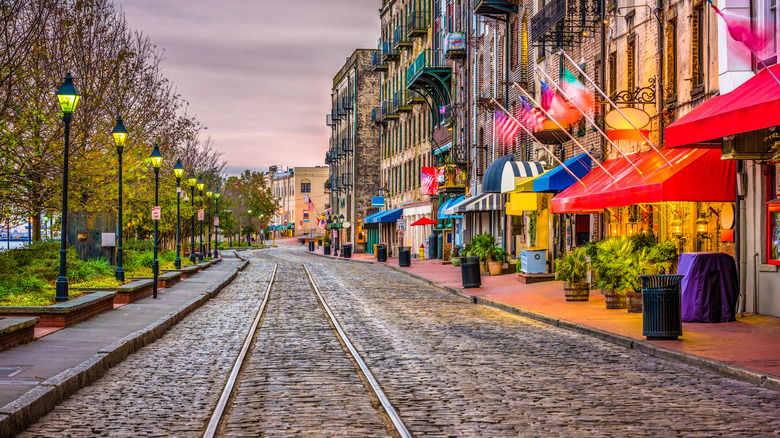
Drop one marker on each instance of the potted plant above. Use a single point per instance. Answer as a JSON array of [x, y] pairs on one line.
[[484, 246], [326, 244], [612, 259], [495, 260], [650, 260], [455, 256], [572, 269]]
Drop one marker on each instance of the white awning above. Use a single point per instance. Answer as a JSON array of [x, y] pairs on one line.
[[517, 172]]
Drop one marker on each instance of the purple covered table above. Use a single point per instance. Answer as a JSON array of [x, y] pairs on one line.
[[709, 288]]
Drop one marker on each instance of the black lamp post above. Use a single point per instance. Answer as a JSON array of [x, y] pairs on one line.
[[209, 194], [156, 159], [120, 135], [191, 180], [216, 223], [341, 225], [249, 213], [178, 170], [68, 98], [200, 186]]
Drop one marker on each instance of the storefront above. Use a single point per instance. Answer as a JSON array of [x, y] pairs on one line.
[[385, 221], [415, 236]]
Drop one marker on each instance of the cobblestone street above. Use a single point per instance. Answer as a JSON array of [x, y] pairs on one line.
[[449, 367]]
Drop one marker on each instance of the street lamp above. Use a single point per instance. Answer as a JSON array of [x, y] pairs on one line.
[[68, 98], [216, 222], [120, 135], [178, 170], [200, 186], [248, 243], [209, 194], [156, 159], [191, 180]]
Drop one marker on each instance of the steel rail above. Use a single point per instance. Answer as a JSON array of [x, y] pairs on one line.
[[399, 425], [219, 411]]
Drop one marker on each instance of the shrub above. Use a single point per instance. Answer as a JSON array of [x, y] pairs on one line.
[[572, 267], [91, 269]]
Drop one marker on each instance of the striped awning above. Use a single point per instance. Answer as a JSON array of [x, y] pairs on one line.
[[517, 172], [447, 204], [491, 181], [485, 202], [459, 206]]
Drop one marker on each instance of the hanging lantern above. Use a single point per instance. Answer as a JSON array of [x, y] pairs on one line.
[[677, 227], [632, 228], [614, 229], [702, 225]]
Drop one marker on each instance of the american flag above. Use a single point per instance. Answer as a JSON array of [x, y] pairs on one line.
[[506, 127], [530, 117]]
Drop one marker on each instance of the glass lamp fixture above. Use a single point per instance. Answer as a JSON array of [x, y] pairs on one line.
[[67, 95], [119, 133], [156, 157], [702, 225], [178, 169], [191, 180], [200, 184], [614, 229], [632, 228], [216, 193], [677, 227], [209, 192]]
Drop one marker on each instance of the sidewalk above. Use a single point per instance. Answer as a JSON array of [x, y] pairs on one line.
[[748, 349], [41, 373]]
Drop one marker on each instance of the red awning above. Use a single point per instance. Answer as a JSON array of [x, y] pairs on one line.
[[697, 175], [751, 106]]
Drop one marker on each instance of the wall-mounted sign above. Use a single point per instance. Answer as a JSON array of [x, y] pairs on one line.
[[377, 201]]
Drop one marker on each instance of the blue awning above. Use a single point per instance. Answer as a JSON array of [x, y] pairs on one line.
[[384, 216], [559, 178], [447, 204], [491, 181]]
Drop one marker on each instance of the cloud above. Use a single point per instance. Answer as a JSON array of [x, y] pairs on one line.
[[259, 73]]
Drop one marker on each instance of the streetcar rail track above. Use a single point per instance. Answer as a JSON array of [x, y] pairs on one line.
[[219, 414]]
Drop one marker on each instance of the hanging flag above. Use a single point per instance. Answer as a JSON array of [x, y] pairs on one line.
[[741, 30], [547, 96], [529, 116], [428, 184], [556, 106], [506, 128], [576, 91]]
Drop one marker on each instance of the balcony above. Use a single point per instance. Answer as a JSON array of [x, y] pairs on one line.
[[377, 63], [417, 22], [400, 38], [340, 110], [387, 111], [329, 120], [377, 117], [494, 8], [346, 102], [400, 102], [455, 46], [346, 180], [389, 53], [346, 145], [413, 98], [562, 23]]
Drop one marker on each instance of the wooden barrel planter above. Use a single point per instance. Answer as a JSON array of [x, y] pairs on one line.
[[576, 291], [614, 300], [634, 300]]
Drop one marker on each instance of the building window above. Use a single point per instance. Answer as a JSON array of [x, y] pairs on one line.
[[612, 74], [671, 60], [305, 187], [697, 49]]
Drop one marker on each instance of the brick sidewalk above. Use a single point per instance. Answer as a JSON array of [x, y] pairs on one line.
[[751, 342]]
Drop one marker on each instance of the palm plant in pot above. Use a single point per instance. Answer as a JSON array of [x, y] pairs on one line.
[[572, 268], [484, 246], [455, 256], [648, 261], [613, 258]]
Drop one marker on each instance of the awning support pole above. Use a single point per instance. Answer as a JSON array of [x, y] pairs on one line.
[[546, 114], [528, 131], [574, 64], [588, 118]]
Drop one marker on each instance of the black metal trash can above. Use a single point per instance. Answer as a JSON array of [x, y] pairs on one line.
[[661, 306], [405, 256], [469, 272], [311, 245], [326, 249], [346, 250], [381, 253]]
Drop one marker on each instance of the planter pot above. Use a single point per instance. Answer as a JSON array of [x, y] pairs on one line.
[[495, 267], [634, 302], [614, 300], [483, 270], [326, 249], [576, 291], [455, 261]]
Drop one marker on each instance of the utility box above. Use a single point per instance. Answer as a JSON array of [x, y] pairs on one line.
[[533, 261]]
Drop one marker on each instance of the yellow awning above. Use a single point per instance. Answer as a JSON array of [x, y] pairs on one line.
[[528, 184], [521, 202]]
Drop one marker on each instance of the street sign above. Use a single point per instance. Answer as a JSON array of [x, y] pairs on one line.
[[301, 223], [401, 224], [201, 215], [216, 221], [377, 201], [156, 213]]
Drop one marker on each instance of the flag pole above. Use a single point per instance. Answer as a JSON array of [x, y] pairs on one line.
[[561, 52], [528, 131], [588, 118], [531, 98]]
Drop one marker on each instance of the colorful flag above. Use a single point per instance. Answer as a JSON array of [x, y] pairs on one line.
[[576, 91], [547, 96], [529, 116], [428, 183], [556, 106], [506, 128], [741, 30]]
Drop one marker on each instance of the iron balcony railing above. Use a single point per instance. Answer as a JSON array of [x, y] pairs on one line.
[[346, 102], [346, 179], [418, 21], [376, 61], [346, 145], [400, 101], [329, 120], [429, 58], [401, 38]]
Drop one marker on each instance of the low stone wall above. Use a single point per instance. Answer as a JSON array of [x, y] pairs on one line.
[[66, 313], [134, 291], [16, 330]]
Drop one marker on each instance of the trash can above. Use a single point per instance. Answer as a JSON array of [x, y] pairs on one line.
[[661, 306], [381, 253], [405, 256], [433, 240], [311, 245], [346, 250], [469, 272], [326, 249]]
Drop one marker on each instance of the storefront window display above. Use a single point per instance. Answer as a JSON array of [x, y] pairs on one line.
[[773, 215]]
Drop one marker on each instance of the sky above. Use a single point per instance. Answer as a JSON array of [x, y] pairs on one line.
[[258, 73]]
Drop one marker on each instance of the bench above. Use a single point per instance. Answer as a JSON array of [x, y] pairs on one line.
[[16, 330], [65, 313]]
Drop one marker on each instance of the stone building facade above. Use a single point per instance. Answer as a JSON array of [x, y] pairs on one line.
[[292, 188]]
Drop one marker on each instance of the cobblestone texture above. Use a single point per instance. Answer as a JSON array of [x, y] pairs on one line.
[[449, 367], [170, 387]]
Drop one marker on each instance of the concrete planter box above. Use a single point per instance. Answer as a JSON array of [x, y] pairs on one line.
[[16, 330], [134, 291], [67, 313]]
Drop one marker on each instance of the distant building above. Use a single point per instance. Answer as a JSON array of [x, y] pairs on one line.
[[293, 188]]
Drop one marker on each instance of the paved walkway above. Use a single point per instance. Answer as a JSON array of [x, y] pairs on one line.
[[750, 342], [27, 367]]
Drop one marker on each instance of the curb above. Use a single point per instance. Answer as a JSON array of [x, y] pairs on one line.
[[16, 416], [725, 369]]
